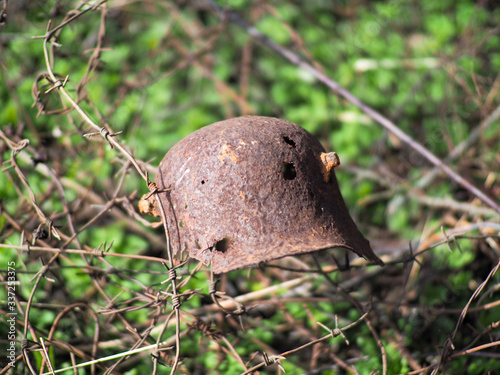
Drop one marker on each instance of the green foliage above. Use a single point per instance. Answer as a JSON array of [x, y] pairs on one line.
[[274, 28], [462, 255]]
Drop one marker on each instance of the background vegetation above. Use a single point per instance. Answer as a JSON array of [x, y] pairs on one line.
[[156, 71]]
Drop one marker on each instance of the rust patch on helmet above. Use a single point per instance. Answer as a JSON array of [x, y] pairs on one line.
[[226, 152], [275, 194], [329, 160], [148, 205]]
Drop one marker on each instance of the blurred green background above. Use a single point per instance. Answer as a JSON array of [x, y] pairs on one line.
[[166, 68]]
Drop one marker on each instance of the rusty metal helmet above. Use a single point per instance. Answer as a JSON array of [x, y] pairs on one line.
[[253, 189]]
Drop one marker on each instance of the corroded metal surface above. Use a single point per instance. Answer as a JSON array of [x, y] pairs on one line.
[[253, 189]]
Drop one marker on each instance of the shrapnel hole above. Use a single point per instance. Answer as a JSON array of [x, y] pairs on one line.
[[222, 245], [288, 171], [289, 141]]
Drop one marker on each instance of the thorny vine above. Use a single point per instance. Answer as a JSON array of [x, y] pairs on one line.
[[221, 316]]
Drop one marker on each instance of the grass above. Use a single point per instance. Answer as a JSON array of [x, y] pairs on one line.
[[156, 72]]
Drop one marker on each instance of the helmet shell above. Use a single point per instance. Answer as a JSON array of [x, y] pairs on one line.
[[252, 189]]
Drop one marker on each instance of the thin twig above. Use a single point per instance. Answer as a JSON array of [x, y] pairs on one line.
[[176, 302], [105, 131], [332, 334], [462, 147]]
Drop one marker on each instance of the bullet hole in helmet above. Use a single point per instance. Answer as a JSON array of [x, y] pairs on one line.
[[288, 171], [222, 245], [289, 141]]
